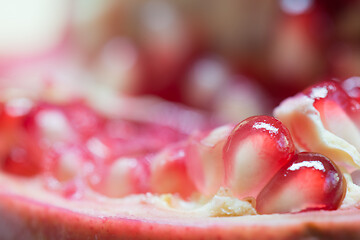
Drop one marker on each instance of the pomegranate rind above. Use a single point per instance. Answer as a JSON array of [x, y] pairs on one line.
[[23, 218]]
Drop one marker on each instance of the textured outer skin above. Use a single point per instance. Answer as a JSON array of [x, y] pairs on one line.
[[23, 218]]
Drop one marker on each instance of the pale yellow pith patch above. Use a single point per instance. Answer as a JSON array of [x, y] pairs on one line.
[[222, 204]]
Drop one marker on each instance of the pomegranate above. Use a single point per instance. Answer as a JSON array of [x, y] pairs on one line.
[[106, 176]]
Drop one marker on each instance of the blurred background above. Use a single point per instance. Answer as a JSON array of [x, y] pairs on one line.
[[233, 58]]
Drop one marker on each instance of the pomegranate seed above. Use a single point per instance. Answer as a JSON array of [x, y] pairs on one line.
[[169, 173], [12, 115], [20, 152], [334, 93], [310, 181], [65, 162], [336, 120], [23, 158], [255, 150], [328, 90], [123, 177], [83, 119], [53, 125], [204, 162], [122, 137]]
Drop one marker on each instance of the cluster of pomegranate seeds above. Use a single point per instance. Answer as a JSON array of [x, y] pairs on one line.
[[69, 141], [255, 150], [76, 146], [309, 181], [260, 162]]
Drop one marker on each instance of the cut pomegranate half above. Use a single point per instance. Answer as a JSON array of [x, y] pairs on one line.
[[120, 174]]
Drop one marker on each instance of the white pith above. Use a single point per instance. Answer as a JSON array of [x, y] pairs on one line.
[[309, 133]]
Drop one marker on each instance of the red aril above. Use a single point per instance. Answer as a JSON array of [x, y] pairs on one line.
[[169, 172], [120, 138], [328, 90], [204, 161], [23, 158], [83, 119], [20, 153], [255, 150], [66, 161], [122, 177], [310, 181], [333, 93], [338, 121]]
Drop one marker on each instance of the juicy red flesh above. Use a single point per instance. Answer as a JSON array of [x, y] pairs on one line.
[[255, 150], [310, 181]]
